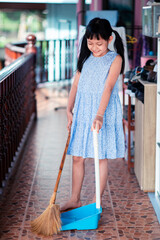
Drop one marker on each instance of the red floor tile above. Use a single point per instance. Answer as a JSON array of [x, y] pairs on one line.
[[127, 211]]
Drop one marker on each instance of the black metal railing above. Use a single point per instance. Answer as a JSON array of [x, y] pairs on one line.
[[17, 108]]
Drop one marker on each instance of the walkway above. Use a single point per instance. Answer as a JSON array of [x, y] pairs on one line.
[[127, 211]]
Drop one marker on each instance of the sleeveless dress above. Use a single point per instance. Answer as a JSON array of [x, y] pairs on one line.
[[90, 88]]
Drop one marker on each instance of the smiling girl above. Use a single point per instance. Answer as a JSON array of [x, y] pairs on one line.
[[94, 97]]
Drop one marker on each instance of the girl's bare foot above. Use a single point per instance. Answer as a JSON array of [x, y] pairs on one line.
[[70, 205]]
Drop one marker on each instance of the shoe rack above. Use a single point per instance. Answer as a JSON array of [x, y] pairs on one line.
[[128, 125]]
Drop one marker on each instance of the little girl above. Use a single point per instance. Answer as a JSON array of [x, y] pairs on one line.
[[94, 97]]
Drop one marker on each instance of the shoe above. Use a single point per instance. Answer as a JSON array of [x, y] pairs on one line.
[[127, 91], [136, 77], [130, 75], [132, 94], [140, 95], [127, 76], [144, 74], [137, 86], [152, 77], [136, 74]]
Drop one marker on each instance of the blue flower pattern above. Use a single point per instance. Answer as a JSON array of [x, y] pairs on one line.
[[90, 88]]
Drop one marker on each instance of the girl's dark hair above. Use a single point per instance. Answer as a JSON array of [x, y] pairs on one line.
[[99, 27]]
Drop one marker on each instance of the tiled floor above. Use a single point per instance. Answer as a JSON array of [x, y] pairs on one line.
[[127, 211]]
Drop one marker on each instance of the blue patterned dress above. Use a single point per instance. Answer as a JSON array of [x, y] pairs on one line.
[[90, 88]]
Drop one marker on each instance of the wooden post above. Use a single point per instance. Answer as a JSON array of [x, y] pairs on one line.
[[81, 12], [96, 5], [30, 47]]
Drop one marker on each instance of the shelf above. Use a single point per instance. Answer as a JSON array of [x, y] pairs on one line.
[[130, 125], [146, 83], [145, 138]]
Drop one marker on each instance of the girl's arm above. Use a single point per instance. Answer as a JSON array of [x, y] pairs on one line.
[[71, 99], [113, 74]]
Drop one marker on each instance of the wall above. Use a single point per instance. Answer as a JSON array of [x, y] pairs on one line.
[[57, 29]]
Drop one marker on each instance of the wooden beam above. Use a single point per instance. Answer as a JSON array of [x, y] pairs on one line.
[[22, 6]]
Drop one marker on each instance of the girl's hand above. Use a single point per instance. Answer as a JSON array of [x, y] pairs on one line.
[[98, 121], [70, 118]]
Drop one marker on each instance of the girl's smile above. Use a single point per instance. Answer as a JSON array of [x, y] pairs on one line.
[[98, 47]]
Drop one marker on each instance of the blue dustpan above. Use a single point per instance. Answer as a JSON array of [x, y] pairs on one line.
[[86, 217]]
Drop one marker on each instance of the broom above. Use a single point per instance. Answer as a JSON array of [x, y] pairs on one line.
[[49, 221]]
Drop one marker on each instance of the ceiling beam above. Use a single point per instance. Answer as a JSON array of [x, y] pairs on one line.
[[23, 6]]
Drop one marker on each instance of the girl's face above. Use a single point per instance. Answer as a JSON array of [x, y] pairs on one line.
[[98, 47]]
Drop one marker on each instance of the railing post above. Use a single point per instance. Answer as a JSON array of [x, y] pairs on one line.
[[30, 47]]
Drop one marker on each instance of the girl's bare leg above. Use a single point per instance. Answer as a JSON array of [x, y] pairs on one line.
[[103, 169], [77, 180]]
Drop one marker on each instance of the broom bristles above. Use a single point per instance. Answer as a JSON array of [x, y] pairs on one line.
[[48, 222]]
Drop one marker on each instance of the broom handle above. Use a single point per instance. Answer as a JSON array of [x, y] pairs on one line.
[[53, 198], [96, 162]]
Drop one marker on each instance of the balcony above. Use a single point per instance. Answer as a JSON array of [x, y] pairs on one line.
[[127, 211]]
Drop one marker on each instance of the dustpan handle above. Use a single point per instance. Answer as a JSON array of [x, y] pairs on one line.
[[96, 162]]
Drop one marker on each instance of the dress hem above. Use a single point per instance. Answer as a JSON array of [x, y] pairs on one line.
[[77, 155]]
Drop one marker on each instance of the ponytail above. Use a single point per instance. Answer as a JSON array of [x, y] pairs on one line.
[[84, 54], [118, 44]]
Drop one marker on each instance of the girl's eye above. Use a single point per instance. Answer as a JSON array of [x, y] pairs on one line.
[[99, 43]]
